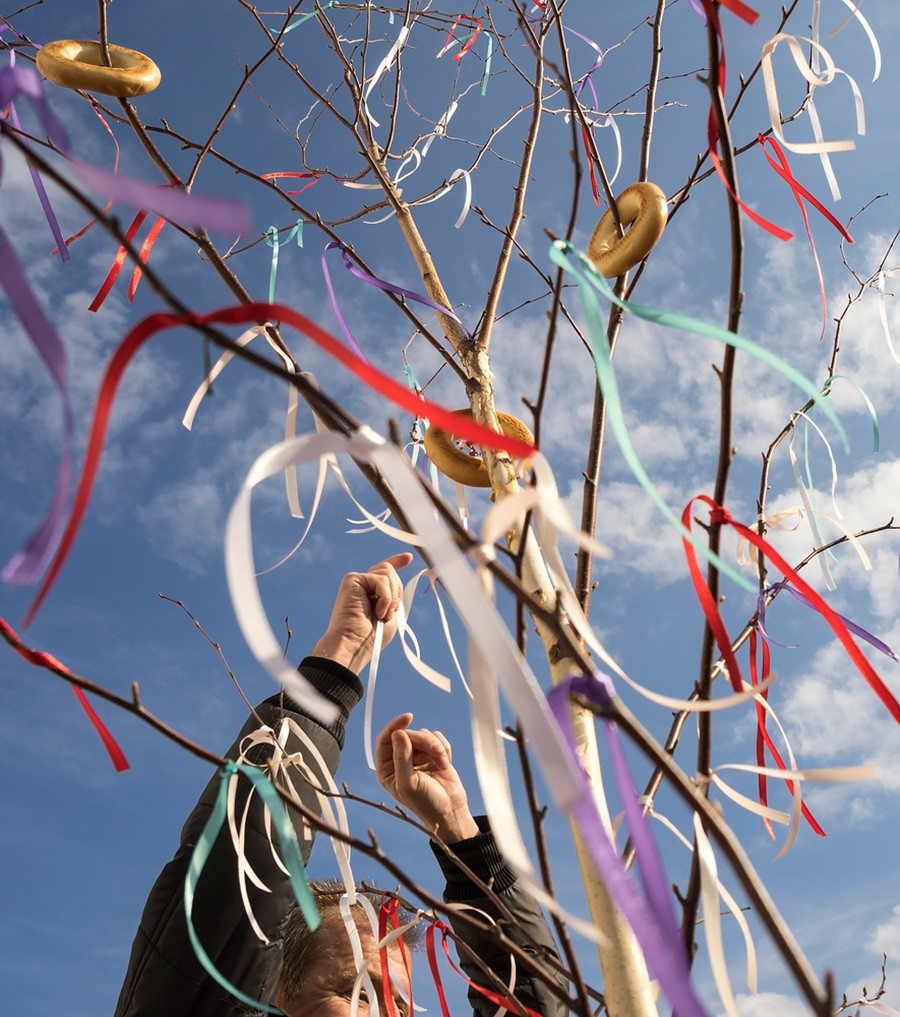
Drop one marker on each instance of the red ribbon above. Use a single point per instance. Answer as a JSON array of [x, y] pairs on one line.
[[40, 659], [719, 515], [238, 315], [741, 10], [712, 130], [468, 45], [498, 1000], [83, 230], [316, 177], [121, 254], [388, 909], [590, 162], [783, 169], [763, 739]]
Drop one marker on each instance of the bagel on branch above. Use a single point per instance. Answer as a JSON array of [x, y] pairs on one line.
[[78, 63], [467, 467], [643, 212]]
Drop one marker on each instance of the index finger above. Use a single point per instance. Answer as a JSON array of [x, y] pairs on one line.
[[397, 561]]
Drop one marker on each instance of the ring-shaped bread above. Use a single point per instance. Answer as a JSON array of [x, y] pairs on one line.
[[643, 212], [78, 63], [459, 465]]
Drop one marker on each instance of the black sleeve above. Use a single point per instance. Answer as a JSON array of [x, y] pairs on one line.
[[529, 931], [164, 977]]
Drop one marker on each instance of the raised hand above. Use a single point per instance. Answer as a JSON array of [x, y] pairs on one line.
[[415, 768], [363, 598]]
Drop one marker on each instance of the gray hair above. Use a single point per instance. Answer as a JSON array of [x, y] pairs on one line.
[[303, 946]]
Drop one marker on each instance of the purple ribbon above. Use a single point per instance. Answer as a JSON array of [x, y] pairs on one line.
[[372, 280], [857, 630], [222, 214], [16, 81], [650, 914], [587, 79], [39, 188], [26, 565]]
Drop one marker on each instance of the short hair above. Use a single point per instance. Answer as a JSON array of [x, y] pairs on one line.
[[303, 946]]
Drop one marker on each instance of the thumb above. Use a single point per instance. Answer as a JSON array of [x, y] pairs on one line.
[[404, 771]]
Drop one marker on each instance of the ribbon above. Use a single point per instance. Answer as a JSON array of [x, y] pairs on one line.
[[27, 563], [273, 240], [784, 171], [225, 215], [109, 204], [382, 284], [383, 68], [505, 1003], [729, 901], [40, 659], [315, 177], [241, 314], [815, 76], [290, 420], [855, 12], [744, 12], [122, 253], [388, 912], [763, 738], [866, 636], [589, 280], [873, 416], [882, 311], [712, 129], [835, 621], [649, 913], [451, 41], [39, 188], [290, 850]]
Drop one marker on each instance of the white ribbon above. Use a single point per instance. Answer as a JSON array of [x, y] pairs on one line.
[[290, 420], [383, 68]]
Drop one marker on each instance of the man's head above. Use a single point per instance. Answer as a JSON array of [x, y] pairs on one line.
[[318, 972]]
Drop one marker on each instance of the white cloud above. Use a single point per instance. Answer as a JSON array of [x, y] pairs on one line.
[[765, 1004], [885, 937]]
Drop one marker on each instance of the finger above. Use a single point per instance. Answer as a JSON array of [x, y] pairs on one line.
[[385, 588], [404, 771], [398, 561], [383, 749], [427, 743], [445, 743]]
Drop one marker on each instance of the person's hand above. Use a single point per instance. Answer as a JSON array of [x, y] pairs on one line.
[[363, 599], [415, 768]]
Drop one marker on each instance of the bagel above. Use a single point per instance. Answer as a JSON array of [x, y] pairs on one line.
[[461, 466], [78, 63], [642, 207]]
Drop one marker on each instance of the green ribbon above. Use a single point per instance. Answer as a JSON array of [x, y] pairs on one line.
[[589, 280], [290, 851], [873, 416], [273, 240]]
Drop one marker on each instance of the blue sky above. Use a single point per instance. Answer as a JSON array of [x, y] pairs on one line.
[[83, 844]]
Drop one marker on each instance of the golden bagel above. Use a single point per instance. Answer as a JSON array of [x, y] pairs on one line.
[[78, 63], [642, 207], [459, 465]]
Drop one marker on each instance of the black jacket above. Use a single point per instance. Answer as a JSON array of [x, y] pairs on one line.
[[164, 978]]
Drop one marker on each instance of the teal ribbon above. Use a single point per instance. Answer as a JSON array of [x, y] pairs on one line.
[[274, 241], [290, 852], [873, 416], [487, 62], [589, 280], [306, 17]]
